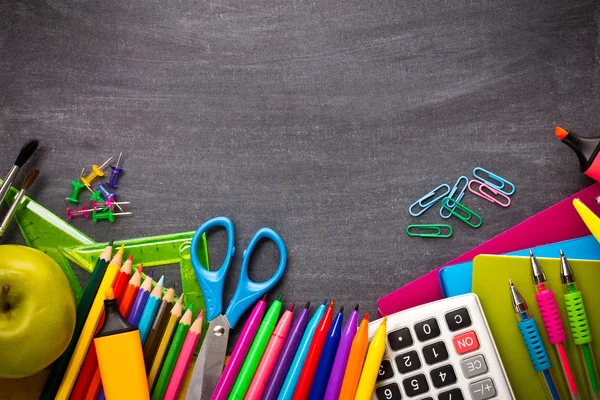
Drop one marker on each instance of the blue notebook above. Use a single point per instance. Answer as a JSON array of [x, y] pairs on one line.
[[457, 279]]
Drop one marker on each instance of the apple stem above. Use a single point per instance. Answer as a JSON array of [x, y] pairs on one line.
[[3, 303]]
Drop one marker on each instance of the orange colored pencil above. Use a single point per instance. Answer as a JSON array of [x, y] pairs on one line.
[[356, 359]]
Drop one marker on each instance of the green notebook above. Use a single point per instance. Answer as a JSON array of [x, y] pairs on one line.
[[490, 283]]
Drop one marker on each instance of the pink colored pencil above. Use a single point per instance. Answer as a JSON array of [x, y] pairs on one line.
[[261, 377], [183, 361]]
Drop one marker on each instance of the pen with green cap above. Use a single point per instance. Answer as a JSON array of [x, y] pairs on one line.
[[242, 383], [578, 322]]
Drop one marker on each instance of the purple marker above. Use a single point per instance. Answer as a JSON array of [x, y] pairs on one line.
[[140, 300], [287, 354], [240, 351], [341, 357]]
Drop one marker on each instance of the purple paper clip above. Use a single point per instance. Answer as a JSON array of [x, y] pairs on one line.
[[489, 197]]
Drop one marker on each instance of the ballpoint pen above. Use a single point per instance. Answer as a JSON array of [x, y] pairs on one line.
[[579, 324], [553, 324], [533, 342]]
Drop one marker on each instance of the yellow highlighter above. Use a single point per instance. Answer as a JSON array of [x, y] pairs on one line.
[[120, 355], [89, 328], [370, 370], [591, 220]]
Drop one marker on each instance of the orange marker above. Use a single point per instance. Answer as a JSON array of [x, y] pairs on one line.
[[586, 149], [356, 359]]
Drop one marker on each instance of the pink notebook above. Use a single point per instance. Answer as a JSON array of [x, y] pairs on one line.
[[557, 223]]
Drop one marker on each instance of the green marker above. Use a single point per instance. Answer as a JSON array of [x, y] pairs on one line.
[[266, 328], [579, 324]]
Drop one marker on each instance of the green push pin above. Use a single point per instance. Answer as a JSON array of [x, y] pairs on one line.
[[97, 196], [77, 186], [108, 215]]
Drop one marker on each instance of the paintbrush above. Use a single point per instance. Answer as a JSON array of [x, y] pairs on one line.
[[26, 151], [29, 179]]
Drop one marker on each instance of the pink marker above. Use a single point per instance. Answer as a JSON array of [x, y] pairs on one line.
[[183, 361], [261, 377], [240, 351]]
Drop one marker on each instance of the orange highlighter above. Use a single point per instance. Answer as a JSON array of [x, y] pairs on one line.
[[120, 355]]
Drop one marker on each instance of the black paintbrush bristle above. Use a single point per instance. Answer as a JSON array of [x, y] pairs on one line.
[[26, 151], [30, 178]]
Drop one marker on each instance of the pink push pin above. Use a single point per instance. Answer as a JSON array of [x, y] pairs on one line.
[[85, 212], [110, 204]]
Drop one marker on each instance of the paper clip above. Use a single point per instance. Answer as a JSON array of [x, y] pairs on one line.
[[459, 206], [489, 197], [430, 203], [458, 197], [421, 230], [500, 183]]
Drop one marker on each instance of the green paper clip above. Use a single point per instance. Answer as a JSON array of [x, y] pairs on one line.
[[470, 214], [423, 228]]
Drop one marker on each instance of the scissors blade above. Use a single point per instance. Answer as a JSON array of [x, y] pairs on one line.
[[209, 364]]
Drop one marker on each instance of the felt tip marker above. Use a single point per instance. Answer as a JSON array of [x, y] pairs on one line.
[[356, 358], [370, 371], [586, 150]]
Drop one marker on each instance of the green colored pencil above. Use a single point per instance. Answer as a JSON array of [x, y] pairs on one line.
[[60, 365], [171, 359], [263, 335]]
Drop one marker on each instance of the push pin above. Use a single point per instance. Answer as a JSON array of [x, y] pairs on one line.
[[97, 172], [108, 215], [84, 212], [108, 204], [107, 194], [96, 196], [115, 173], [77, 186]]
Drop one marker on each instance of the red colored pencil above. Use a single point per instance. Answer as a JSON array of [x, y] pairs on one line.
[[125, 306], [122, 279], [314, 353]]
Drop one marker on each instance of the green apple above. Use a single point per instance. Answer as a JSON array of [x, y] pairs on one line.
[[37, 311]]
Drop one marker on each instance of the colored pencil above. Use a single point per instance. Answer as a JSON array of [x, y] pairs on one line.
[[123, 279], [291, 379], [185, 356], [158, 327], [370, 371], [140, 300], [256, 351], [240, 351], [319, 385], [265, 368], [89, 328], [165, 340], [314, 353], [150, 310], [356, 358], [341, 357], [95, 386], [171, 358], [286, 355], [85, 304]]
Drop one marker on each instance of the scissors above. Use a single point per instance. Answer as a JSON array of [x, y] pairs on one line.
[[211, 358]]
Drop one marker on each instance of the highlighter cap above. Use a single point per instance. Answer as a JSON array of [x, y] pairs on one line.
[[114, 323]]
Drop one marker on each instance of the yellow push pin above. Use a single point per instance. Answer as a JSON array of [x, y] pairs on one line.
[[97, 172]]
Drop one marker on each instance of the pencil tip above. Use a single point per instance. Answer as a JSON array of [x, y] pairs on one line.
[[130, 258], [139, 269], [110, 244], [264, 298], [280, 297], [307, 305], [325, 302], [121, 249], [332, 303], [341, 309], [356, 307], [291, 308], [151, 273], [366, 316], [201, 314], [161, 281]]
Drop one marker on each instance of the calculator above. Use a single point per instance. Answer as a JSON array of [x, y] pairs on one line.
[[441, 351]]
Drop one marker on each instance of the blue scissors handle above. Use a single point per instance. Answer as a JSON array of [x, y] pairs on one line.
[[211, 282], [247, 291]]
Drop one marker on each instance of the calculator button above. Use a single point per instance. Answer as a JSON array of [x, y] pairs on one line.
[[482, 390], [443, 376], [415, 385], [428, 329], [400, 339], [465, 342], [435, 353], [408, 362], [388, 392], [458, 319], [452, 394], [385, 371], [473, 366]]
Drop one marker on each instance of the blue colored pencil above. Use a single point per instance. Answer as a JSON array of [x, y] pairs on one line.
[[150, 310]]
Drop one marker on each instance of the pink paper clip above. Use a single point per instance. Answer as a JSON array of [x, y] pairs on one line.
[[489, 197]]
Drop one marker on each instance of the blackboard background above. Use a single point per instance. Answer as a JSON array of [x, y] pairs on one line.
[[324, 120]]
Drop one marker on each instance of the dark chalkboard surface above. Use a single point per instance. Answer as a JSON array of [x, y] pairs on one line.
[[324, 120]]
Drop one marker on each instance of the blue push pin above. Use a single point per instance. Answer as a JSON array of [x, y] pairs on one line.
[[115, 173], [107, 194]]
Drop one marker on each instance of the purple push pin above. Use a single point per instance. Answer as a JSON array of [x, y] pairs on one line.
[[115, 173]]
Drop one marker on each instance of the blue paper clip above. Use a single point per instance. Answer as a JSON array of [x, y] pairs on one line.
[[497, 182], [453, 195], [430, 203]]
